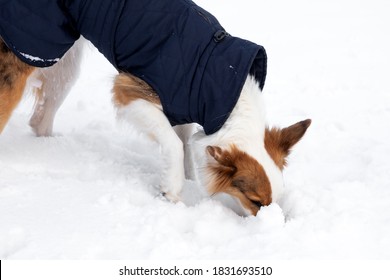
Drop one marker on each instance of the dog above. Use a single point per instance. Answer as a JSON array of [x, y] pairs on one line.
[[168, 77]]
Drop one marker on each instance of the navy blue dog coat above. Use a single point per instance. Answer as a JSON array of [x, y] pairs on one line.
[[194, 65]]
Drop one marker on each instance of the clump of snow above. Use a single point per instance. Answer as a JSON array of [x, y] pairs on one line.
[[91, 191], [35, 58]]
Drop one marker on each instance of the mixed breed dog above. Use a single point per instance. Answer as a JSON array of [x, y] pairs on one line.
[[177, 66]]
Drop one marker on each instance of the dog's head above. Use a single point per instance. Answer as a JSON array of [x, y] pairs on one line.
[[252, 182]]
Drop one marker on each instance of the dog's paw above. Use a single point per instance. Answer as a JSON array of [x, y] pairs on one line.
[[172, 183]]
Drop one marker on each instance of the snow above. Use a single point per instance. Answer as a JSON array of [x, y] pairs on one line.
[[35, 58], [91, 191]]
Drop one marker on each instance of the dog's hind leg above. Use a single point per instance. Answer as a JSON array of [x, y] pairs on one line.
[[138, 105], [13, 77], [54, 84]]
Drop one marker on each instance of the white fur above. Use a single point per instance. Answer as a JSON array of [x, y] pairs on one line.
[[149, 118], [55, 83], [245, 128]]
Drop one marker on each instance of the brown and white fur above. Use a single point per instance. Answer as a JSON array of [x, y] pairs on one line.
[[244, 159], [51, 86]]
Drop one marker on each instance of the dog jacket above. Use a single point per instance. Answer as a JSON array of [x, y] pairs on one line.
[[179, 49]]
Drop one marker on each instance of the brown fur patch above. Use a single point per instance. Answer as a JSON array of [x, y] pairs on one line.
[[13, 77], [278, 142], [128, 88], [238, 174]]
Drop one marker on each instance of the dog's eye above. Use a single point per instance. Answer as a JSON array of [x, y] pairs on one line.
[[257, 203]]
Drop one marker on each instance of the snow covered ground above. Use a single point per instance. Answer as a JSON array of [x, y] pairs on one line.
[[90, 192]]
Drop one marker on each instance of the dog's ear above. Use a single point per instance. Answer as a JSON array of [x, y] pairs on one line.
[[292, 134], [278, 142], [223, 157]]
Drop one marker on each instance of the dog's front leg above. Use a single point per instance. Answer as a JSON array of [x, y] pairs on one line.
[[185, 132], [149, 119]]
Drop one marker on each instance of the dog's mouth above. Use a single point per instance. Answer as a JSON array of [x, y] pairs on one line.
[[256, 203]]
